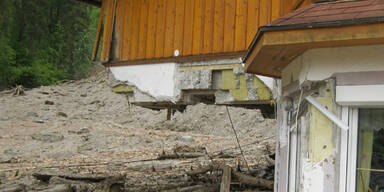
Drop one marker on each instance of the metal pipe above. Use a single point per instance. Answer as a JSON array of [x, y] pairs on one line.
[[327, 113]]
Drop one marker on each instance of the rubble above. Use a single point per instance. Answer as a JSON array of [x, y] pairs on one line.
[[133, 148]]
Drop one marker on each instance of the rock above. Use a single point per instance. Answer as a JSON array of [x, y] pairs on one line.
[[39, 121], [48, 138], [84, 147], [44, 92], [5, 118], [85, 138], [187, 138], [45, 118], [188, 149], [83, 131], [32, 114], [10, 152], [49, 102], [58, 188], [14, 188], [62, 114], [8, 160]]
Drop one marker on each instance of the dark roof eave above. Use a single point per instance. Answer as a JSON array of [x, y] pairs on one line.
[[309, 26]]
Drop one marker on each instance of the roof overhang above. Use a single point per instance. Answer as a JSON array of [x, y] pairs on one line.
[[92, 2], [275, 47]]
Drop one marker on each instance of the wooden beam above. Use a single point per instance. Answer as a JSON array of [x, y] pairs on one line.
[[98, 32], [177, 59], [226, 179], [276, 49], [297, 4]]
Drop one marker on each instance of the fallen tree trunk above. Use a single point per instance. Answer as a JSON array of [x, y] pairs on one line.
[[205, 169], [253, 181], [243, 178], [15, 188], [179, 156], [90, 178]]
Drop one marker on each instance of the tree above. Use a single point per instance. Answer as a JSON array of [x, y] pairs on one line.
[[45, 41]]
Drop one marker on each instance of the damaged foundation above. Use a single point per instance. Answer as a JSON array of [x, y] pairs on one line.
[[176, 85]]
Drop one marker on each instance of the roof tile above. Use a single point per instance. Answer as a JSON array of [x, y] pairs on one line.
[[331, 12]]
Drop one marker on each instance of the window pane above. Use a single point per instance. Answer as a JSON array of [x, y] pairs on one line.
[[370, 159]]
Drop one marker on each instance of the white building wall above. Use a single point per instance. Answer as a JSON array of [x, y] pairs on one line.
[[321, 64], [157, 80], [318, 65]]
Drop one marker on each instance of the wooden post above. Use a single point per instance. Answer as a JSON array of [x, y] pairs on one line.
[[169, 113], [226, 179], [98, 31]]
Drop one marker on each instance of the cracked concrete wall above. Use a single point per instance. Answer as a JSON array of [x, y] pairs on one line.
[[151, 82], [199, 79], [313, 143], [183, 83]]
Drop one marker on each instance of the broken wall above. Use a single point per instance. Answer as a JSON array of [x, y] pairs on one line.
[[309, 144], [220, 81]]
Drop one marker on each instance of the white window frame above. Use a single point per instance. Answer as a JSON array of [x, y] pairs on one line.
[[348, 153]]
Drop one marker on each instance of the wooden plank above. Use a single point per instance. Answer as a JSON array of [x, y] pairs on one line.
[[198, 27], [228, 55], [98, 31], [229, 27], [188, 27], [252, 20], [241, 27], [179, 26], [160, 29], [209, 67], [297, 4], [135, 25], [279, 48], [218, 30], [265, 12], [276, 9], [169, 28], [151, 34], [125, 53], [143, 27], [108, 29], [226, 179], [119, 28], [208, 26]]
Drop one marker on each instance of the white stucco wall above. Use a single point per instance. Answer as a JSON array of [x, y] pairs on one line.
[[320, 64], [158, 80]]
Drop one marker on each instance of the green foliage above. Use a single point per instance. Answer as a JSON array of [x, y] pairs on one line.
[[45, 41]]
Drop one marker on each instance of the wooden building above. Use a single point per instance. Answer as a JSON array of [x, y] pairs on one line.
[[154, 31], [330, 60], [179, 52]]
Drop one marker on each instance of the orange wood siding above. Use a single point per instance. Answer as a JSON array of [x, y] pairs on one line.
[[147, 29]]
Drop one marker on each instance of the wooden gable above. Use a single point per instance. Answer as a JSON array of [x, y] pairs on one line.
[[153, 31]]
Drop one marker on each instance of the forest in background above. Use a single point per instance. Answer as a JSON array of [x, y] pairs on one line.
[[45, 41]]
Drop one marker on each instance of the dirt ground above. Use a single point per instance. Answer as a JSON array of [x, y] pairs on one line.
[[82, 127]]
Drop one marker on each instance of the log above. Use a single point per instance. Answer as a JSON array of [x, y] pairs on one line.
[[204, 169], [226, 179], [90, 178], [179, 156], [14, 188], [58, 188], [253, 181]]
